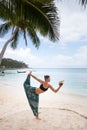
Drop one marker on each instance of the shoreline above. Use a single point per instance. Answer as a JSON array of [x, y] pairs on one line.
[[61, 92]]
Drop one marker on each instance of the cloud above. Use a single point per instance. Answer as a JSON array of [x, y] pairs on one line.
[[79, 59], [24, 55], [73, 21]]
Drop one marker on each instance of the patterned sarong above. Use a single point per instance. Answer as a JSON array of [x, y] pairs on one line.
[[32, 96]]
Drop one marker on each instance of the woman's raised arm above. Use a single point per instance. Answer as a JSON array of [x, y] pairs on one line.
[[39, 80]]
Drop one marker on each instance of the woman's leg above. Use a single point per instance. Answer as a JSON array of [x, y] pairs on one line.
[[27, 82], [34, 101], [32, 96]]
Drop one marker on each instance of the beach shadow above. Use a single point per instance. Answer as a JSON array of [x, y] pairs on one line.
[[73, 112], [65, 109]]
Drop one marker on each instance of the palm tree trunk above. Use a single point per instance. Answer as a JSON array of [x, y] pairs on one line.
[[6, 44]]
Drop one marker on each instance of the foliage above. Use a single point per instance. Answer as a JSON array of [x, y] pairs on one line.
[[29, 16], [10, 63]]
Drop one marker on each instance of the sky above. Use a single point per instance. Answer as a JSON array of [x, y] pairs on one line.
[[69, 52]]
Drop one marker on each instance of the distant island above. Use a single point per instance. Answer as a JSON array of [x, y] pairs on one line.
[[10, 63]]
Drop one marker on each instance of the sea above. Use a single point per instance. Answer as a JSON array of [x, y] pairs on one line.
[[75, 79]]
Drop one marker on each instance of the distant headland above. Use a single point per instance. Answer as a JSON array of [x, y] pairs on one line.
[[8, 63]]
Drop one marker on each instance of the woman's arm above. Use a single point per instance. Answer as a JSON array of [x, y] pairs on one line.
[[39, 80], [56, 90]]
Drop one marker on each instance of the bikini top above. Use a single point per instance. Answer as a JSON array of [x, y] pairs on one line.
[[42, 88]]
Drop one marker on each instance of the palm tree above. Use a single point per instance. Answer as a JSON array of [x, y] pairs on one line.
[[28, 17]]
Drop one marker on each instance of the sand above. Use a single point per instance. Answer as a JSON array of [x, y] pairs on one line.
[[57, 111]]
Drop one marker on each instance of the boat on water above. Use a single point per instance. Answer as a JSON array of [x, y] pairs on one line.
[[21, 71]]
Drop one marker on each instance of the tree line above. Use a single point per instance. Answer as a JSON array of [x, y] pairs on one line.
[[10, 63]]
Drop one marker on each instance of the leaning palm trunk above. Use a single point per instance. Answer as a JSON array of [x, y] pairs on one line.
[[6, 44]]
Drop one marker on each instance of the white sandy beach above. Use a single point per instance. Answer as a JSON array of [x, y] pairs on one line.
[[57, 111]]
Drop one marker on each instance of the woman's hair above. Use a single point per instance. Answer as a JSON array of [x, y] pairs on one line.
[[46, 77]]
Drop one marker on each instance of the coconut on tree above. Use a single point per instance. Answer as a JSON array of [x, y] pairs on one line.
[[28, 17]]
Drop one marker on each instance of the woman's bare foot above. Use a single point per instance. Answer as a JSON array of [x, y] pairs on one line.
[[38, 118]]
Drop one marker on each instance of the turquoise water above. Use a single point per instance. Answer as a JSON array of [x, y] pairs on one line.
[[75, 80]]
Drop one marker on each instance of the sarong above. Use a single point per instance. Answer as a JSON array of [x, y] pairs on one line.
[[32, 96]]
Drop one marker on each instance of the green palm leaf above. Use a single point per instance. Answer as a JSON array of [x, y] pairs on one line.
[[43, 1], [4, 28], [24, 32], [14, 43], [83, 2], [33, 35], [43, 17]]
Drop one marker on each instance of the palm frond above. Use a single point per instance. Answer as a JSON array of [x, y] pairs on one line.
[[83, 2], [25, 37], [14, 43], [43, 1], [5, 11], [43, 17], [33, 35], [4, 28]]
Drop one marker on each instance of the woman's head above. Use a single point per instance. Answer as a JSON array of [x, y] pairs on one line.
[[47, 78]]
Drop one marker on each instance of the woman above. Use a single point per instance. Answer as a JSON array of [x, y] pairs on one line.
[[32, 93]]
